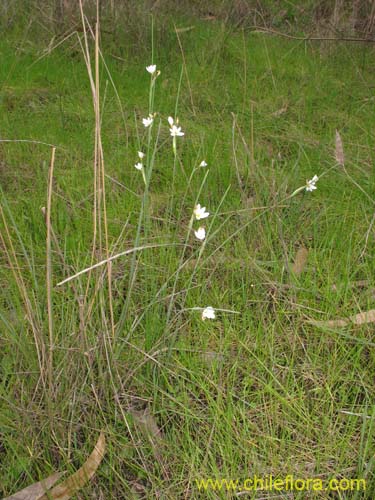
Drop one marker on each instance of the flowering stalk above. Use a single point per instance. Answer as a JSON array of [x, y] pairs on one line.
[[174, 145], [171, 302], [190, 228], [139, 166], [146, 170]]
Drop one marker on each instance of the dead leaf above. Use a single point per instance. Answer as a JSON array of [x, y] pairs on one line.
[[183, 30], [332, 323], [360, 283], [339, 150], [76, 481], [364, 317], [280, 111], [358, 319], [36, 490], [147, 424], [138, 489], [210, 357], [300, 261]]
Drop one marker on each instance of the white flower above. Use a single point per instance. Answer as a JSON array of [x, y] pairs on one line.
[[176, 131], [151, 69], [200, 212], [203, 164], [200, 233], [140, 155], [148, 121], [310, 185], [208, 313], [138, 166]]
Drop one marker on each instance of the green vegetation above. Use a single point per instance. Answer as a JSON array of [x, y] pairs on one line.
[[179, 399]]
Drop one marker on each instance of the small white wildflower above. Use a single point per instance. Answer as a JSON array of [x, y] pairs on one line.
[[148, 121], [139, 166], [310, 185], [203, 164], [200, 233], [151, 69], [141, 155], [176, 131], [200, 212], [208, 313]]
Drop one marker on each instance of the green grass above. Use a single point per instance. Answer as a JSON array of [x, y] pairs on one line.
[[260, 392]]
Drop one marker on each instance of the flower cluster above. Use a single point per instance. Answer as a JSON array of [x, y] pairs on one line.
[[200, 213], [174, 130], [208, 313], [310, 185], [200, 233], [151, 69], [139, 165], [148, 121], [153, 72]]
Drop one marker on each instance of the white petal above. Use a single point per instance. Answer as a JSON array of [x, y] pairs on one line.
[[200, 233], [203, 164], [170, 121], [140, 155], [147, 121], [138, 166], [208, 313], [151, 69], [200, 212], [176, 131]]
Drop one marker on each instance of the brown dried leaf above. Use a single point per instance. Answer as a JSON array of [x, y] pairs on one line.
[[300, 261], [211, 356], [36, 490], [332, 323], [364, 317], [360, 283], [183, 30], [147, 424], [280, 111], [358, 319], [339, 150], [76, 481]]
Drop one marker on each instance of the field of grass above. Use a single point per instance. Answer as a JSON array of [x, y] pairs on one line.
[[259, 390]]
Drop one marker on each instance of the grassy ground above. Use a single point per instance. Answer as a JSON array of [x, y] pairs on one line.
[[260, 392]]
